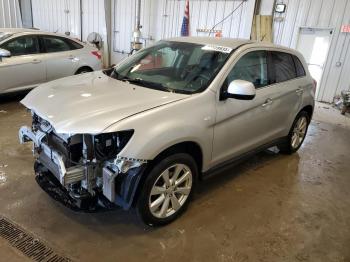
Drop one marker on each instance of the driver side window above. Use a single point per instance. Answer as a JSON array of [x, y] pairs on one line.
[[23, 45], [251, 67]]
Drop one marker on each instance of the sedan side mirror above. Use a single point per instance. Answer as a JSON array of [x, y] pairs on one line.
[[4, 53], [241, 89]]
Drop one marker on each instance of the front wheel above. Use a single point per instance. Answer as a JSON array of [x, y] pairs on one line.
[[296, 135], [167, 189]]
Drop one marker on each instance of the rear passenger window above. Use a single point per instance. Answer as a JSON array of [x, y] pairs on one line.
[[284, 66], [55, 44], [299, 67], [251, 67], [74, 45]]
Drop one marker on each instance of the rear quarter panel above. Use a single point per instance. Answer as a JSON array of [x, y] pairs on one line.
[[86, 58]]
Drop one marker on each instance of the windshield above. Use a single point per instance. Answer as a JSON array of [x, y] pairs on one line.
[[4, 35], [173, 66]]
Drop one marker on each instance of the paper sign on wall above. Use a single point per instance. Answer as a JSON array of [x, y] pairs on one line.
[[345, 29]]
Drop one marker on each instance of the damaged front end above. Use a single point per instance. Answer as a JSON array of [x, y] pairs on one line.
[[85, 169]]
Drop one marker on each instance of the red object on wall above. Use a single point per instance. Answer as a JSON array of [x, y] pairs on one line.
[[345, 29]]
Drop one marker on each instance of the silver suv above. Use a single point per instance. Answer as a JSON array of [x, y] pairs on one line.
[[31, 57], [142, 134]]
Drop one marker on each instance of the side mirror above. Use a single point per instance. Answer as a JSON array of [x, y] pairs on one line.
[[241, 89], [4, 53]]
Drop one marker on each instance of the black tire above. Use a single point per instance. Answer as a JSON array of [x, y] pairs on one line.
[[343, 110], [83, 70], [143, 203], [286, 146]]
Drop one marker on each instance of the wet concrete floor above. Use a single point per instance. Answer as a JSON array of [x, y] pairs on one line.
[[270, 208]]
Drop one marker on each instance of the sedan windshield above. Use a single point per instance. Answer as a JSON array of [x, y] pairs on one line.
[[173, 66], [4, 36]]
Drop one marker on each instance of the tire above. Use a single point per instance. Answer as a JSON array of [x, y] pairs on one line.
[[289, 146], [161, 195], [343, 110], [83, 70]]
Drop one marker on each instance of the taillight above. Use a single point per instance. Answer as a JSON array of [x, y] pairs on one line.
[[314, 85], [97, 54]]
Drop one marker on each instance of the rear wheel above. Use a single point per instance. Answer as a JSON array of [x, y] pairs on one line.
[[167, 189], [297, 134], [83, 70]]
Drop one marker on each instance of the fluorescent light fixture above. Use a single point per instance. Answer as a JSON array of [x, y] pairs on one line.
[[280, 8]]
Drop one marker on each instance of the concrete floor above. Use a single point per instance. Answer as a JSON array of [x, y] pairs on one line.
[[270, 208]]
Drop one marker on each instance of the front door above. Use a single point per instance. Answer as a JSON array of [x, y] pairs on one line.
[[25, 68], [242, 125]]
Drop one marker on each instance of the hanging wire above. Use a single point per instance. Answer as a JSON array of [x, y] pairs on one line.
[[223, 20]]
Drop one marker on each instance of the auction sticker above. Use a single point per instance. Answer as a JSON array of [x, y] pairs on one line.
[[218, 48]]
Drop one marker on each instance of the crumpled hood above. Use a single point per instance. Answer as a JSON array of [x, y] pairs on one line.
[[89, 103]]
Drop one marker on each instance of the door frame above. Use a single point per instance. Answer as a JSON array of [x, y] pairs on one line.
[[318, 28]]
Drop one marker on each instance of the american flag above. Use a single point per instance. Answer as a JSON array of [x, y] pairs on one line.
[[185, 28]]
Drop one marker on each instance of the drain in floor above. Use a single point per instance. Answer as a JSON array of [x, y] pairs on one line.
[[28, 244]]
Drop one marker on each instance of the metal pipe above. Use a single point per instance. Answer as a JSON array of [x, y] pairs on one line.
[[136, 44], [81, 20], [138, 15]]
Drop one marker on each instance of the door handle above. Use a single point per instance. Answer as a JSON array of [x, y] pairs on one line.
[[267, 102], [299, 91], [36, 61], [71, 57]]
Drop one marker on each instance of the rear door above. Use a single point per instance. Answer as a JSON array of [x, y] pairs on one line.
[[61, 59], [25, 68], [287, 91]]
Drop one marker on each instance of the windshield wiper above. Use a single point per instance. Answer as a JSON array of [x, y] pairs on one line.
[[141, 82], [148, 84], [153, 85]]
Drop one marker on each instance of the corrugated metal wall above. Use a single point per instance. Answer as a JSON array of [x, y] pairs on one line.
[[322, 14], [64, 16], [10, 15], [204, 14], [94, 18], [57, 16], [163, 18]]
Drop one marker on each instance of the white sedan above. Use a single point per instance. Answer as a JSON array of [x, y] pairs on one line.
[[30, 57]]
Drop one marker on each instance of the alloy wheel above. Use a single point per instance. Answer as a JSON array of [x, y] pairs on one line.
[[170, 191], [299, 132]]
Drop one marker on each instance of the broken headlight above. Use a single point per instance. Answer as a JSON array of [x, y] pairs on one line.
[[108, 145]]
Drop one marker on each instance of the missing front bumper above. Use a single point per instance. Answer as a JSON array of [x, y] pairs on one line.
[[117, 179], [49, 183], [51, 159]]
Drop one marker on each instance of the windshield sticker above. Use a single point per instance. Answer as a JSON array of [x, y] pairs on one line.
[[217, 48]]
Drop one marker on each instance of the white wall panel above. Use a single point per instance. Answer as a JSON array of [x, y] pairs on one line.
[[204, 14], [10, 15], [322, 14], [57, 16], [94, 18], [64, 16]]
